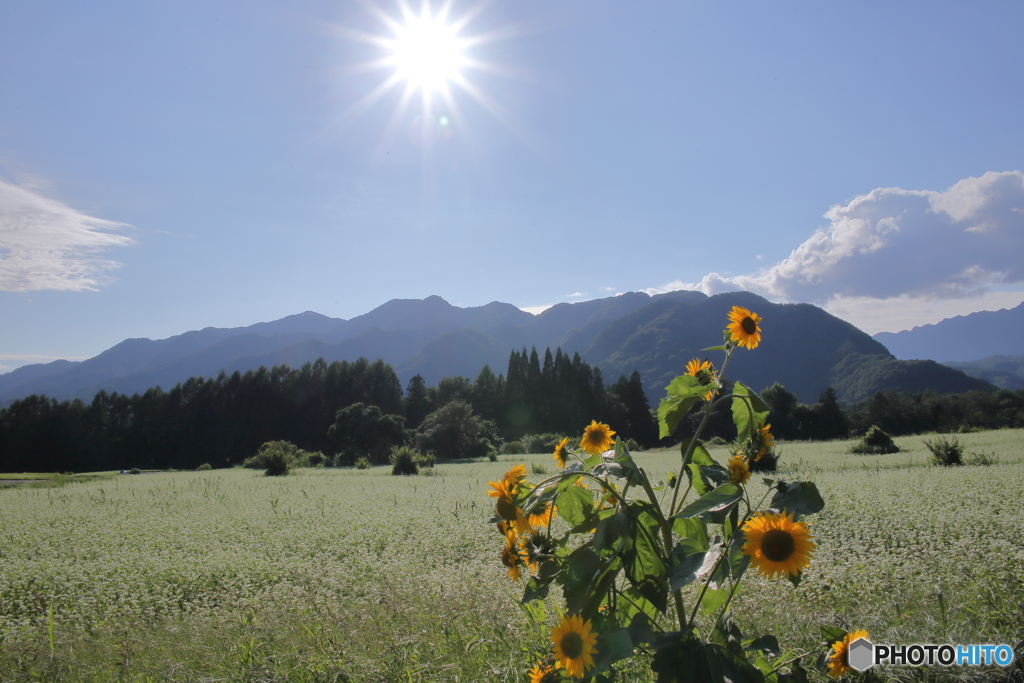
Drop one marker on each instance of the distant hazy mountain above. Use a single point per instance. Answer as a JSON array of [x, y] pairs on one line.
[[804, 348], [1006, 372], [963, 338]]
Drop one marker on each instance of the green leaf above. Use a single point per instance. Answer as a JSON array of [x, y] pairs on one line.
[[738, 561], [798, 497], [795, 579], [535, 590], [748, 411], [700, 455], [683, 393], [831, 634], [640, 630], [698, 480], [714, 348], [713, 599], [685, 571], [715, 501], [680, 658], [611, 647], [769, 644], [693, 536], [582, 569], [631, 603], [575, 504], [644, 567], [614, 533]]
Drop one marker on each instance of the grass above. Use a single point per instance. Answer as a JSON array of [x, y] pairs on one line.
[[355, 575]]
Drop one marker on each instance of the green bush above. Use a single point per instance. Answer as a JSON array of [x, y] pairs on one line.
[[631, 445], [512, 448], [278, 458], [403, 460], [982, 459], [427, 459], [538, 468], [204, 467], [946, 452], [875, 442], [362, 463], [135, 470]]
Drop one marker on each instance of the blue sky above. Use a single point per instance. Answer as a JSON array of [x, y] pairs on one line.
[[167, 166]]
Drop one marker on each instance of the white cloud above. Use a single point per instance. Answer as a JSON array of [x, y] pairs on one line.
[[900, 250], [577, 294], [45, 244], [535, 310]]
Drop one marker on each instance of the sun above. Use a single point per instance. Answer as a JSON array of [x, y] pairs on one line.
[[427, 52]]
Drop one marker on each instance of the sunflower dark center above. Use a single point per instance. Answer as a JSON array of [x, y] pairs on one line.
[[748, 325], [777, 545], [572, 645]]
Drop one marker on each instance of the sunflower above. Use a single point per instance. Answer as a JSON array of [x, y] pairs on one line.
[[743, 327], [514, 476], [505, 507], [544, 673], [838, 664], [776, 544], [513, 556], [543, 517], [597, 438], [574, 645], [562, 452], [764, 436], [739, 473], [704, 371]]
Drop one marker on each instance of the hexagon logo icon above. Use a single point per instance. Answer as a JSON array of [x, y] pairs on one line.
[[861, 654]]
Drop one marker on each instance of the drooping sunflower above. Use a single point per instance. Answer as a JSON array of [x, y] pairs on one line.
[[514, 476], [838, 662], [777, 545], [763, 437], [562, 452], [505, 491], [704, 371], [597, 438], [544, 673], [743, 327], [513, 556], [574, 645], [739, 473]]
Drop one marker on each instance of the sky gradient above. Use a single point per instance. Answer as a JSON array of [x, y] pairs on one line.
[[171, 166]]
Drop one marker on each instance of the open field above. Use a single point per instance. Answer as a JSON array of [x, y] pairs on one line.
[[346, 575]]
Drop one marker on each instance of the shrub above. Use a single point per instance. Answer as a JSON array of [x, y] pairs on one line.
[[403, 460], [278, 464], [946, 452], [631, 445], [362, 463], [717, 441], [538, 468], [875, 442], [427, 459], [135, 470], [982, 459], [512, 448], [204, 467]]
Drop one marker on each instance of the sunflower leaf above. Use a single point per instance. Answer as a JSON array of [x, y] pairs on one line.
[[575, 504], [748, 411], [769, 644], [714, 348], [693, 536], [683, 393], [718, 500], [798, 497], [713, 599], [700, 455], [831, 634], [685, 571], [795, 579], [738, 560], [611, 647]]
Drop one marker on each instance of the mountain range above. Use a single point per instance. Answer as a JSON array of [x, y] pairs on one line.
[[804, 348], [963, 339]]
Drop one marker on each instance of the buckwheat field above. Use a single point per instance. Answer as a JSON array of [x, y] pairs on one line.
[[349, 575]]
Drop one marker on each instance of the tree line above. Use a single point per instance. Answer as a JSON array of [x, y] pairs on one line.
[[342, 409], [346, 410]]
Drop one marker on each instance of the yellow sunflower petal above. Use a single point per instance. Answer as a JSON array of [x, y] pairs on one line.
[[743, 327], [597, 438], [838, 662], [777, 545]]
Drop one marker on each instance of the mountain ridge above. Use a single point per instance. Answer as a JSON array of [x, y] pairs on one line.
[[802, 346]]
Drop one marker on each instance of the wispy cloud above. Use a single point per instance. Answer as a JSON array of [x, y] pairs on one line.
[[45, 244], [909, 246]]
